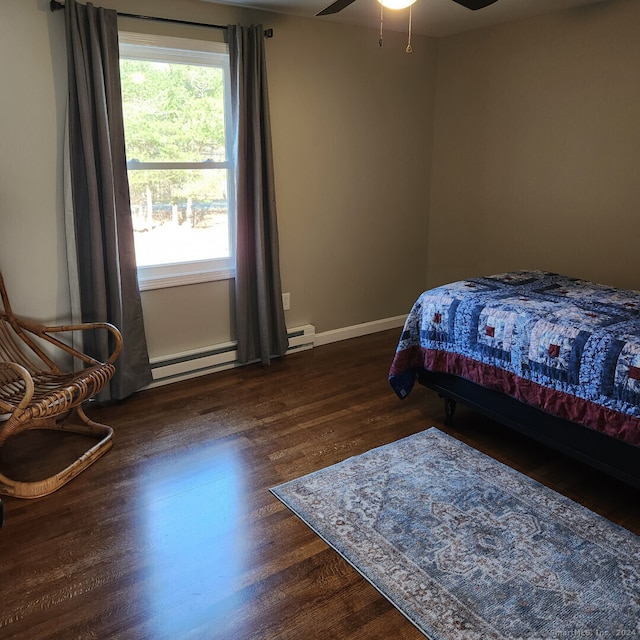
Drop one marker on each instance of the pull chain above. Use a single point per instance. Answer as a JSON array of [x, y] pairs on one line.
[[380, 40], [409, 49]]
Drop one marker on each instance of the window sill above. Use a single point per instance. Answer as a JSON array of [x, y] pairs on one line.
[[149, 283]]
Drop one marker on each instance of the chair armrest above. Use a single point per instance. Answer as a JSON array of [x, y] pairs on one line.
[[86, 326], [44, 331], [27, 379]]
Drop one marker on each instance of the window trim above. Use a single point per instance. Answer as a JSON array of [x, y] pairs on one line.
[[142, 46], [163, 276]]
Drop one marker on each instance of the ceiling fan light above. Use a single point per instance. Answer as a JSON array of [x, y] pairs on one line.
[[396, 4]]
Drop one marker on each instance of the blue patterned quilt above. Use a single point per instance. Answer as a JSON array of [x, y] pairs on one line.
[[567, 346]]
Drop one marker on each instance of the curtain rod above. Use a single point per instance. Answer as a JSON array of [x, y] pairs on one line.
[[55, 5]]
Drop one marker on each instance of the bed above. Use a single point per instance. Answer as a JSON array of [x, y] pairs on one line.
[[555, 357]]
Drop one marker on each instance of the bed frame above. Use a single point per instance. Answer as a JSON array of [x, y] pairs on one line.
[[614, 457]]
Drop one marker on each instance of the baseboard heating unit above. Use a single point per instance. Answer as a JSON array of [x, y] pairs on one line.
[[190, 364]]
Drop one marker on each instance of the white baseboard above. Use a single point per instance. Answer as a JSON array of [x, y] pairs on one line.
[[357, 330]]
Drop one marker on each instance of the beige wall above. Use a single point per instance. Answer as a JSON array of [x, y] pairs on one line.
[[537, 148], [351, 128], [32, 60]]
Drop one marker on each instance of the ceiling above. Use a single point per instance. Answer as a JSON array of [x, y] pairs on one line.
[[429, 17]]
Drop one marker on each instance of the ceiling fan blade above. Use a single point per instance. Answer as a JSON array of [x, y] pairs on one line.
[[338, 5], [475, 4]]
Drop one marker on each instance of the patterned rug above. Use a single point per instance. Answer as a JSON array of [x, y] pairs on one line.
[[467, 548]]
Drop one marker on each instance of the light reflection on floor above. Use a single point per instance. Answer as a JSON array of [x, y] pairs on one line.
[[191, 513]]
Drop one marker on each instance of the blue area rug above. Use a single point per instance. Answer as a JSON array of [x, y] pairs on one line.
[[467, 548]]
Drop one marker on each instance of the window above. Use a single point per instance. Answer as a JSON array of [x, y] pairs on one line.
[[175, 96]]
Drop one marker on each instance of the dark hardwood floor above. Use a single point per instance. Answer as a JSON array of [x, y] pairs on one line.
[[174, 533]]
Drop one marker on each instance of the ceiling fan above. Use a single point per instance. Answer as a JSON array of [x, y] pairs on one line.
[[339, 5]]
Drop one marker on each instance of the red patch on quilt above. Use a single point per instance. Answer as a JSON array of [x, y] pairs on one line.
[[437, 318], [490, 331], [634, 373], [554, 350]]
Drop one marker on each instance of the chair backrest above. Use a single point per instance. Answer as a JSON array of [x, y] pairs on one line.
[[15, 345], [4, 299]]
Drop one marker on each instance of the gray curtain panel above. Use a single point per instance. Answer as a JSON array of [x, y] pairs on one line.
[[261, 332], [106, 265]]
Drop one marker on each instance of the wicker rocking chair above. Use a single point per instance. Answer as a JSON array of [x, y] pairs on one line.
[[36, 394]]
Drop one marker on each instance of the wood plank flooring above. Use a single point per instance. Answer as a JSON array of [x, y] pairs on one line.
[[174, 534]]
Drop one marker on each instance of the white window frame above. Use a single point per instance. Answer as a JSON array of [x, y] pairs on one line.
[[198, 52]]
